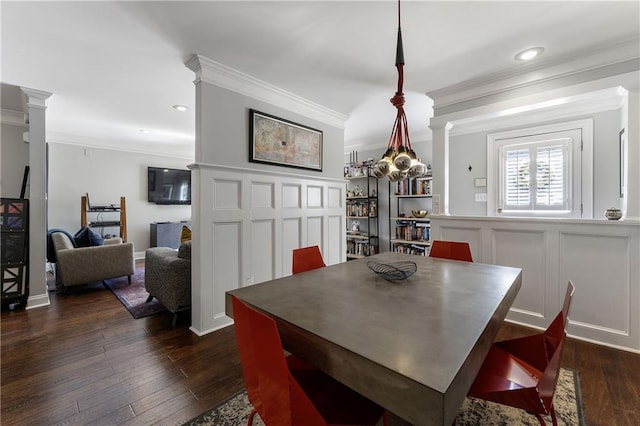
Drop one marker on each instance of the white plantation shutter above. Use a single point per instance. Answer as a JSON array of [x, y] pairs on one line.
[[542, 171], [536, 176], [517, 178]]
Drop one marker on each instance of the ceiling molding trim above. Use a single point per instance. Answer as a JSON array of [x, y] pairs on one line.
[[622, 56], [228, 78], [576, 106], [76, 140], [13, 118], [36, 98]]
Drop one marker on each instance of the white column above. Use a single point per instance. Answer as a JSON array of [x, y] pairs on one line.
[[632, 199], [440, 167], [36, 107]]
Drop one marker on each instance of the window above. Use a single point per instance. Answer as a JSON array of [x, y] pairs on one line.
[[535, 176], [539, 171]]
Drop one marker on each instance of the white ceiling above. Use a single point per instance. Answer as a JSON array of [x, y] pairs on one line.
[[117, 67]]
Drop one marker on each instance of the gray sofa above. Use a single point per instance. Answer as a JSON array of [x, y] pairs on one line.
[[168, 277], [82, 265]]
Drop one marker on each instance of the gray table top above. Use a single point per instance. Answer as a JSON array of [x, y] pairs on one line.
[[426, 335]]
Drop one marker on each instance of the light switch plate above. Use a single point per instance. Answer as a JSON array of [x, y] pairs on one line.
[[481, 197]]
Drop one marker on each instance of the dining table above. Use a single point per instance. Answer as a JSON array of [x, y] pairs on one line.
[[413, 346]]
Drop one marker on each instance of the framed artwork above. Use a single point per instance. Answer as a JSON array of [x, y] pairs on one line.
[[621, 140], [281, 142]]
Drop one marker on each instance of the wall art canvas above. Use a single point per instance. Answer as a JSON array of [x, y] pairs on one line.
[[282, 142]]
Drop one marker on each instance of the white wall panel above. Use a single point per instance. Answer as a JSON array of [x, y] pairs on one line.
[[262, 253], [262, 195], [470, 235], [291, 196], [315, 231], [226, 194], [525, 250], [314, 197], [603, 307], [336, 197], [600, 257], [253, 221], [226, 262]]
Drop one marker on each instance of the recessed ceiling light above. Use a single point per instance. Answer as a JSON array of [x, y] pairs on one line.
[[144, 131], [529, 54], [180, 107]]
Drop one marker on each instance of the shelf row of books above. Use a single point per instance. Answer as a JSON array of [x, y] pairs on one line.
[[362, 248], [363, 209], [419, 250], [412, 230], [413, 187]]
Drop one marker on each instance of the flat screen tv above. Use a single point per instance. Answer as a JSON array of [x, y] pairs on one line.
[[168, 186]]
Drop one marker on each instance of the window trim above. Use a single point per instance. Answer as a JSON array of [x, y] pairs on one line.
[[584, 197]]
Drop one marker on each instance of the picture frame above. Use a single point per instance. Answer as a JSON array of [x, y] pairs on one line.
[[276, 141], [623, 171]]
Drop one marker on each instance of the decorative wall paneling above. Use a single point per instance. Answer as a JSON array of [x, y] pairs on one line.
[[602, 258], [246, 225]]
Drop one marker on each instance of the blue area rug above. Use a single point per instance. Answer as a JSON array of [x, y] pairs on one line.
[[134, 296]]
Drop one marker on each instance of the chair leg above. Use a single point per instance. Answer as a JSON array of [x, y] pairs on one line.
[[149, 299], [175, 320], [251, 416], [553, 416], [129, 279], [541, 420]]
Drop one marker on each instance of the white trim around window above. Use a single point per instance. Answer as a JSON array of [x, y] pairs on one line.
[[571, 143]]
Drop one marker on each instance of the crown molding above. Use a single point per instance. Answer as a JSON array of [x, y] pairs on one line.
[[13, 118], [584, 104], [605, 60], [228, 78], [36, 98]]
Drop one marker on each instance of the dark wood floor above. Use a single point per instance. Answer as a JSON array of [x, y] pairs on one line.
[[85, 360]]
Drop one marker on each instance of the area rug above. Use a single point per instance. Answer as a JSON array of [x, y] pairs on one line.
[[567, 401], [134, 296]]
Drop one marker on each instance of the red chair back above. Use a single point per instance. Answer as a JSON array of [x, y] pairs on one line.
[[451, 250], [277, 394], [306, 259]]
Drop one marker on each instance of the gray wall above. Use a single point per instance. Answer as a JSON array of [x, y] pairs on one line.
[[471, 149], [224, 132], [14, 156], [107, 175]]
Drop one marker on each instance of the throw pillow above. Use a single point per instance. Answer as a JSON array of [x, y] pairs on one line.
[[85, 237], [185, 235], [184, 251]]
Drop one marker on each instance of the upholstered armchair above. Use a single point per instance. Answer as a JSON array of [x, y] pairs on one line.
[[82, 265], [167, 277]]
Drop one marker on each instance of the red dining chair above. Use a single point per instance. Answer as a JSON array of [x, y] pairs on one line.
[[306, 259], [451, 250], [285, 391], [523, 372]]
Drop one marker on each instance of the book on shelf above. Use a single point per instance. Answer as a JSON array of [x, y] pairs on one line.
[[413, 187]]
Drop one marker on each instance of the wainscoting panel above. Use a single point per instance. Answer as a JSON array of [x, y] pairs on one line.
[[247, 223], [291, 239], [226, 261], [263, 254], [600, 257], [315, 231], [525, 250], [602, 309], [470, 235], [315, 199]]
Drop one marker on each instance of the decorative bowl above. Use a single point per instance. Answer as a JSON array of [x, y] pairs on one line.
[[395, 271], [613, 214], [419, 213]]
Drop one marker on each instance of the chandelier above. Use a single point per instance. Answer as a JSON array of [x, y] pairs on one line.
[[399, 161]]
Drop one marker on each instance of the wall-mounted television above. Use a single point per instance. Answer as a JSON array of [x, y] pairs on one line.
[[168, 186]]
